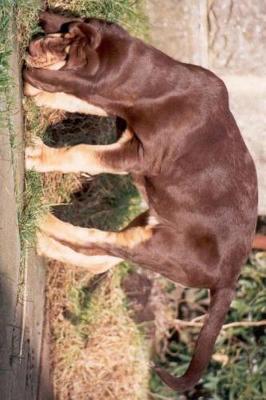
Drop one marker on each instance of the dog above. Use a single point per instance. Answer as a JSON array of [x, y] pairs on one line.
[[183, 148]]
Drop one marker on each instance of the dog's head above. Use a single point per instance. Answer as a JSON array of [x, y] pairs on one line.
[[76, 46], [79, 49]]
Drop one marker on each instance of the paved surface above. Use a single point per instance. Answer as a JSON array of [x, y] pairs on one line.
[[21, 310], [229, 37]]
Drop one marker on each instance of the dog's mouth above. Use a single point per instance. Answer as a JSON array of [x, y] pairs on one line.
[[49, 52]]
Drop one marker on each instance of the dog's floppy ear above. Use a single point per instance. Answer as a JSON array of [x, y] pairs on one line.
[[85, 39], [78, 57], [85, 31]]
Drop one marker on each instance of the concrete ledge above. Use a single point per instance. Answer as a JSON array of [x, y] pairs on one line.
[[21, 290]]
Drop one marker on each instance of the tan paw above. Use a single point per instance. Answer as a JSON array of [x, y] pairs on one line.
[[30, 90], [47, 223], [34, 155], [44, 99], [44, 244]]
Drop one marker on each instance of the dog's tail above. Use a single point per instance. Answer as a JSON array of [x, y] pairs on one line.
[[219, 305]]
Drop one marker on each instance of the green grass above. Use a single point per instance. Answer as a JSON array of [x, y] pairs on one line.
[[26, 14], [6, 82], [128, 13], [109, 202], [31, 210], [29, 202], [5, 44]]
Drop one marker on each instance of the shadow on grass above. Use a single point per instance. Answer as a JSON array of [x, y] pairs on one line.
[[105, 201]]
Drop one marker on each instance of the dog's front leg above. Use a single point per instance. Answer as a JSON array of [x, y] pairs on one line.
[[62, 101], [118, 158]]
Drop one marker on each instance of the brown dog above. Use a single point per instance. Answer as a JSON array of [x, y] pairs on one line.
[[183, 145]]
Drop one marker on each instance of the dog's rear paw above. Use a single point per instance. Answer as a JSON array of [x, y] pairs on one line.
[[44, 244], [34, 155]]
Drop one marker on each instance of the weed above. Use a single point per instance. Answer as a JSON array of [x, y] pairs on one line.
[[240, 349]]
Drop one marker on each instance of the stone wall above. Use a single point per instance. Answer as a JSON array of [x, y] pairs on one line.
[[228, 37]]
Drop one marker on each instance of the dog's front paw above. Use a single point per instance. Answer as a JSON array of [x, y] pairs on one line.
[[35, 155], [30, 91], [40, 97], [44, 99]]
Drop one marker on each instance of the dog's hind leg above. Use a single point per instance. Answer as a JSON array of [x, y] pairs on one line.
[[137, 231], [148, 245], [88, 248], [56, 250], [145, 242]]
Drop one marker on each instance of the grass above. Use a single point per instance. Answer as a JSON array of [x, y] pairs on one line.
[[31, 209], [127, 13], [6, 82], [241, 349], [27, 22], [29, 202], [99, 351], [94, 337]]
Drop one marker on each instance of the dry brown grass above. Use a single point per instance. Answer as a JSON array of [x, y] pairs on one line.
[[104, 356], [98, 352]]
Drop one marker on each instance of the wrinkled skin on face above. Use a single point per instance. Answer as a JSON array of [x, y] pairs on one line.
[[48, 52], [72, 50], [95, 48]]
